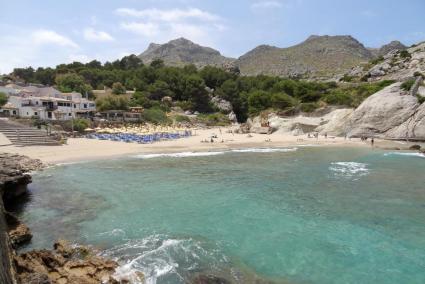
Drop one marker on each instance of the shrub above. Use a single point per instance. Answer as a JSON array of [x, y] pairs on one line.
[[339, 98], [214, 119], [407, 85], [282, 101], [112, 102], [308, 107], [3, 99], [184, 105], [79, 124], [417, 74], [405, 54], [155, 115], [377, 60], [347, 78], [258, 101], [181, 118], [118, 88]]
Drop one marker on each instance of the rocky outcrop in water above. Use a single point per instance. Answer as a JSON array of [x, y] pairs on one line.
[[64, 264]]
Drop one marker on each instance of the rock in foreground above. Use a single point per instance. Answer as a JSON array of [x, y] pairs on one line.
[[64, 264]]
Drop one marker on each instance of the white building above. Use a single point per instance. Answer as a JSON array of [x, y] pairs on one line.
[[48, 104]]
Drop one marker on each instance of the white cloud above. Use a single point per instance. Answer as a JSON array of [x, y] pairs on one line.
[[266, 5], [144, 29], [41, 48], [79, 58], [162, 25], [169, 15], [44, 37], [91, 34]]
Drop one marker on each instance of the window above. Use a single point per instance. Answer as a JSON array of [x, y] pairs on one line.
[[69, 114], [36, 102], [85, 105], [35, 113]]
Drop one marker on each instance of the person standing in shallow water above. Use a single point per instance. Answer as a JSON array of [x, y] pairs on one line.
[[372, 141]]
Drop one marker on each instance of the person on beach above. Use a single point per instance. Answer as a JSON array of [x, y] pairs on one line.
[[372, 141]]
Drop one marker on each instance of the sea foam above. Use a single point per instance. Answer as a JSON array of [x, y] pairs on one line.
[[407, 154], [349, 169], [263, 150], [179, 155], [159, 256], [213, 153]]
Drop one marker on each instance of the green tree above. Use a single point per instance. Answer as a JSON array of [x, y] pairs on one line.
[[282, 101], [3, 99], [196, 94], [72, 82], [158, 90], [258, 101], [112, 103], [130, 62], [157, 63], [118, 88]]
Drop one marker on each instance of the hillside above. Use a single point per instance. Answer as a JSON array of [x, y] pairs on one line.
[[180, 52], [318, 56], [395, 65]]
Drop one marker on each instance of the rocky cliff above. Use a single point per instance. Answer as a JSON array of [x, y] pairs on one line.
[[180, 52], [395, 65], [13, 182]]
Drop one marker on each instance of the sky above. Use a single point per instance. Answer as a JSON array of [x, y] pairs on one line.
[[42, 33]]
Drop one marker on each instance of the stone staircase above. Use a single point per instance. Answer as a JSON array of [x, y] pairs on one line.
[[22, 135]]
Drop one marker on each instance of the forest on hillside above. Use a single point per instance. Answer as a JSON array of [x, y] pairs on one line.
[[187, 86]]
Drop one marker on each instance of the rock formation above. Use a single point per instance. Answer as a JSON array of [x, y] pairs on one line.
[[64, 264], [390, 113], [395, 65]]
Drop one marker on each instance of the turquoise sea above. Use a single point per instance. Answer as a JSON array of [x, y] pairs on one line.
[[284, 215]]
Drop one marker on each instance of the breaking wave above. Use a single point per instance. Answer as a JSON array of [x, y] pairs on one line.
[[179, 155], [349, 169], [214, 153], [264, 150], [159, 257], [409, 154]]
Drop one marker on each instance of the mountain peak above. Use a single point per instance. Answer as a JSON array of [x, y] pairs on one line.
[[181, 51], [317, 56]]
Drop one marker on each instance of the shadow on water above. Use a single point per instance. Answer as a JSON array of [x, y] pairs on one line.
[[56, 214]]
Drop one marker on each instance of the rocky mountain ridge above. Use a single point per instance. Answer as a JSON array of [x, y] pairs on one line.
[[315, 58], [318, 56]]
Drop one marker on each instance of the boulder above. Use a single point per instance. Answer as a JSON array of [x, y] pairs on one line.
[[382, 112], [222, 104], [415, 147], [65, 264], [19, 235]]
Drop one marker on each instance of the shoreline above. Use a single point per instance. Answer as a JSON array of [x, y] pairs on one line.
[[83, 149]]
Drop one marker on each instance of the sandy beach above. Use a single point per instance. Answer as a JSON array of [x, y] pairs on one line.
[[82, 149]]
